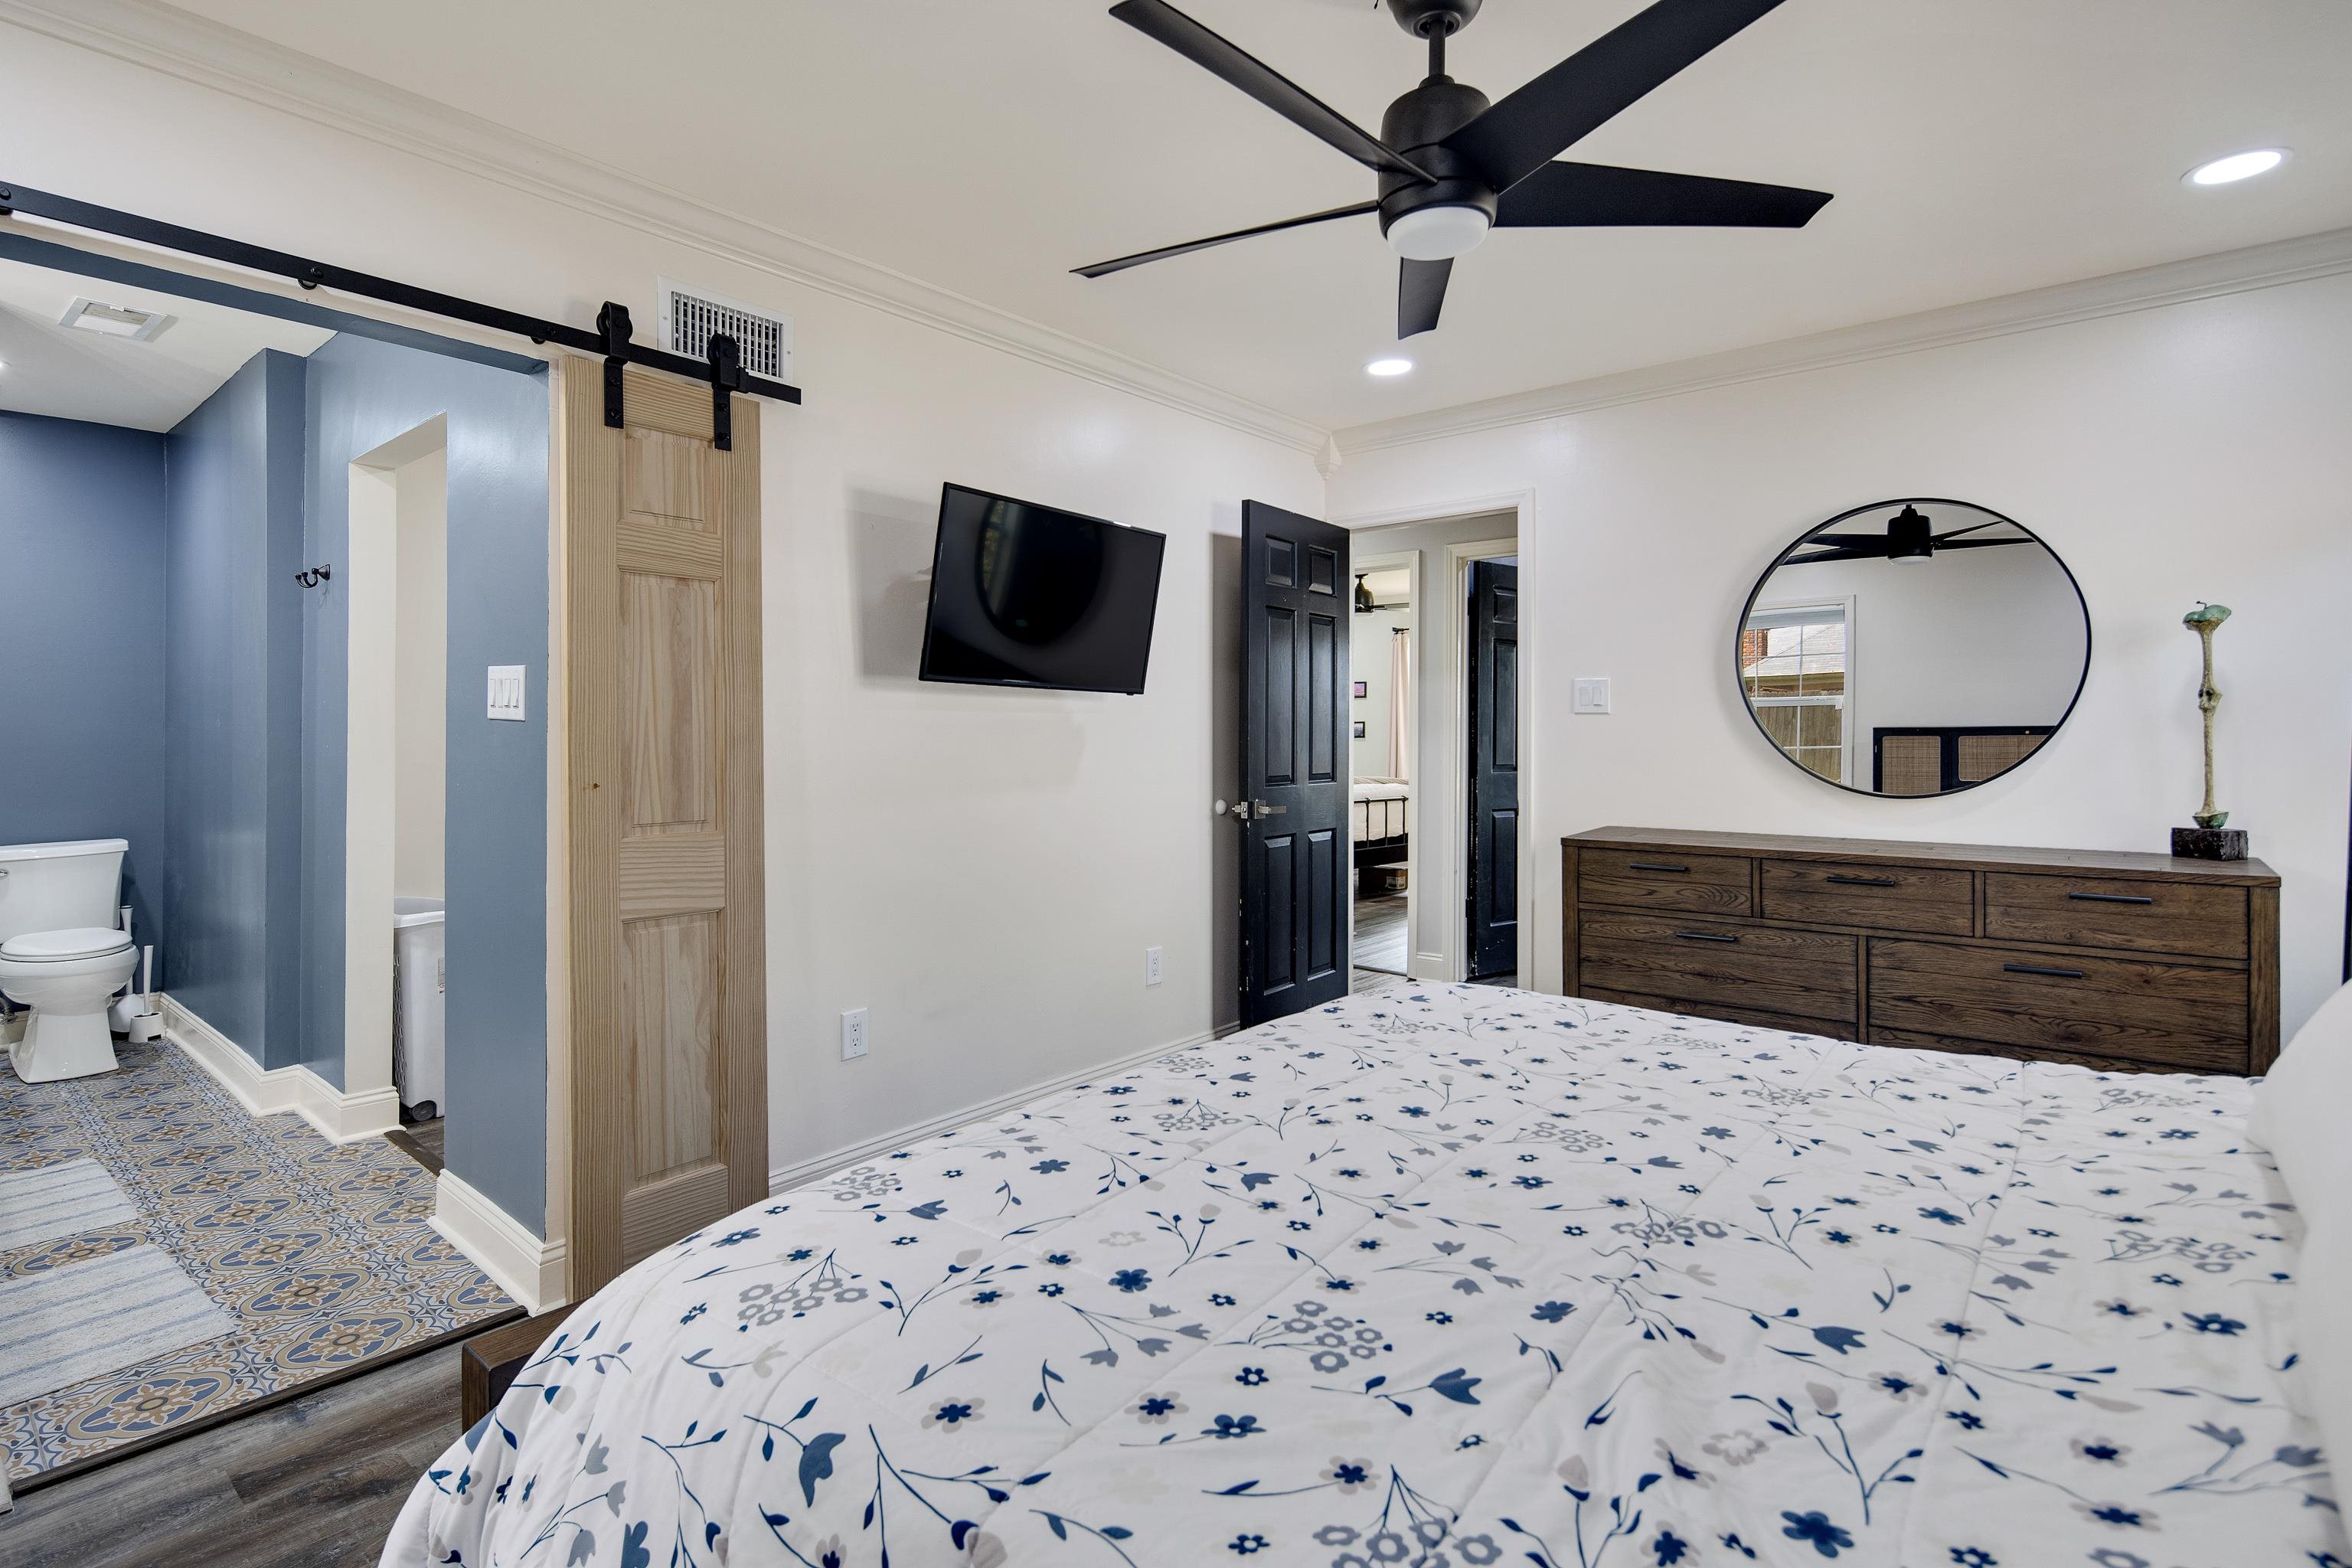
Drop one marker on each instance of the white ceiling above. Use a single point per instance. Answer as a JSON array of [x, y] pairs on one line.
[[70, 374], [1976, 147]]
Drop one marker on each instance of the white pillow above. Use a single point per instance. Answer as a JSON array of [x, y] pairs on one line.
[[2300, 1113]]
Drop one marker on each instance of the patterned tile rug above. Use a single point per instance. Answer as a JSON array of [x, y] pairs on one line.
[[317, 1255]]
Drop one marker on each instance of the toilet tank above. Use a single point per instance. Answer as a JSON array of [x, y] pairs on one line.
[[60, 887]]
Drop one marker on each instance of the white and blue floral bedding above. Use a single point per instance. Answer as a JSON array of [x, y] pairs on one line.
[[1448, 1275]]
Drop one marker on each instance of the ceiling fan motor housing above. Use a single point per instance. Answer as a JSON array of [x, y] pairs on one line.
[[1417, 126], [1432, 18]]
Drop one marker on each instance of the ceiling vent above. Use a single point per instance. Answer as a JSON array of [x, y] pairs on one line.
[[114, 320], [690, 317]]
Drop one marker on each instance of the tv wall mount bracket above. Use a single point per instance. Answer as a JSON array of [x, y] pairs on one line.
[[722, 367]]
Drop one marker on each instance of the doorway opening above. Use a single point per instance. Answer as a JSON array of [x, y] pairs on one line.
[[1381, 755], [397, 804], [1437, 843]]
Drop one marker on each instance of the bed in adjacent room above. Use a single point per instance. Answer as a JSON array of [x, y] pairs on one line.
[[1376, 820], [1456, 1276]]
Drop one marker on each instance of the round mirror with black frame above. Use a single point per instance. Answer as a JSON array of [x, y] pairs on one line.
[[1915, 647]]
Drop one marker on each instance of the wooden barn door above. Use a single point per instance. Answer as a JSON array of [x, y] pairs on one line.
[[670, 1104]]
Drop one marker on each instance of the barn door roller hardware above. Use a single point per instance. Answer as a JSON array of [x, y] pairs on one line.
[[723, 369]]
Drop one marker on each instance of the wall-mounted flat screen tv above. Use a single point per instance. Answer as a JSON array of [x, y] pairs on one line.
[[1025, 595]]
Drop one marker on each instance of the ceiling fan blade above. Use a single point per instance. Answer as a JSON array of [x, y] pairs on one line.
[[1421, 296], [1101, 269], [1219, 57], [1596, 196], [1842, 553], [1534, 125]]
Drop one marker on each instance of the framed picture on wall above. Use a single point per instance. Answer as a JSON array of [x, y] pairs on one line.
[[1362, 689], [1359, 723]]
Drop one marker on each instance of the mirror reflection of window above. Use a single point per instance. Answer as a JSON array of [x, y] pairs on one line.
[[1978, 642], [1795, 663]]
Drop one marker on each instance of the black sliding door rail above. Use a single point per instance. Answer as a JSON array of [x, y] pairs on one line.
[[611, 338]]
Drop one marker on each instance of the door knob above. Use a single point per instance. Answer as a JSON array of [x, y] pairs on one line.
[[1249, 810]]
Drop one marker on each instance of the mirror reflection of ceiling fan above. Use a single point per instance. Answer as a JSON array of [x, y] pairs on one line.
[[1910, 536], [1453, 165]]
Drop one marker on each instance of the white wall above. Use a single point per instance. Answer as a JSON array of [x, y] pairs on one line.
[[981, 868], [421, 684], [2193, 451], [1370, 658]]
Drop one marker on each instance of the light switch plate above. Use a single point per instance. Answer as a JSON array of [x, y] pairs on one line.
[[1591, 694], [507, 691]]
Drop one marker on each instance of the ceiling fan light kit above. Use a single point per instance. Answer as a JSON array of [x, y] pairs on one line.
[[1453, 165]]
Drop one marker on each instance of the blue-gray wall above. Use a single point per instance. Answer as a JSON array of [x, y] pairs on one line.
[[361, 394], [82, 645], [232, 623]]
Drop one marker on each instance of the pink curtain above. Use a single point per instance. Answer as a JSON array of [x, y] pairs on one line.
[[1400, 703]]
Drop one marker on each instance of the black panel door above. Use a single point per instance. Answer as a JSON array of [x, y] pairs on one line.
[[1493, 895], [1294, 805]]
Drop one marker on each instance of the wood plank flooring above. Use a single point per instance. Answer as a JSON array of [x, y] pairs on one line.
[[313, 1483], [421, 1142], [1380, 933]]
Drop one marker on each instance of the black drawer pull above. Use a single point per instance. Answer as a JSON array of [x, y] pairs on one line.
[[1652, 866], [2109, 898], [1862, 882], [2039, 969], [1704, 936]]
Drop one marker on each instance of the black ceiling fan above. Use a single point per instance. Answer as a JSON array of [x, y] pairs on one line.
[[1453, 165], [1909, 536]]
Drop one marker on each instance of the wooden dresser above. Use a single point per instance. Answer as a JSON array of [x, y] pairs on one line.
[[2136, 963]]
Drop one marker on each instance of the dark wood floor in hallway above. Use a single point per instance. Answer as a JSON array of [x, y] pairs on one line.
[[313, 1483], [1380, 933]]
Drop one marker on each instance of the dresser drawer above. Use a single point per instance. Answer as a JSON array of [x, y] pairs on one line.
[[1664, 880], [1884, 897], [1797, 973], [2090, 911], [2169, 1015]]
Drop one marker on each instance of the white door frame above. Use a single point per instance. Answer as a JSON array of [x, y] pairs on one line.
[[371, 580], [1522, 505]]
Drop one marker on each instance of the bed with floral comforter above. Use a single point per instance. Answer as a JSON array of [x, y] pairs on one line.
[[1452, 1276]]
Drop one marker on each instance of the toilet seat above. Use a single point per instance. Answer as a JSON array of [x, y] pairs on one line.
[[60, 946]]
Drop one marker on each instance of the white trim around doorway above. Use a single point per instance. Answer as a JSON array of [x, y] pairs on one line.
[[1449, 964]]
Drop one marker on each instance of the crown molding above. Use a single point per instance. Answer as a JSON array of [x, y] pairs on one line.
[[2148, 288], [206, 54]]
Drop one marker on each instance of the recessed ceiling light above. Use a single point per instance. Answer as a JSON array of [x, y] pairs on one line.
[[2237, 166], [1388, 367]]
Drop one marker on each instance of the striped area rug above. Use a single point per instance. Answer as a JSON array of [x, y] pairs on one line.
[[62, 1325], [65, 1199]]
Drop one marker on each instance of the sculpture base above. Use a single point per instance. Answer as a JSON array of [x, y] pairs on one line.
[[2210, 842]]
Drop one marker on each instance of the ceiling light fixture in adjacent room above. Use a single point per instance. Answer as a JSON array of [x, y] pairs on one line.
[[1388, 367], [2236, 167]]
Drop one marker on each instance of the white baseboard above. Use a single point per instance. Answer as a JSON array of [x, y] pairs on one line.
[[342, 1118], [801, 1171], [531, 1270]]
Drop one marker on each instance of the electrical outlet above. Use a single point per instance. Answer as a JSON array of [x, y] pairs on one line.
[[1152, 966], [853, 1034]]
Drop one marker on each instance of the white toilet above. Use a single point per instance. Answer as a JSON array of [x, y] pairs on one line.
[[61, 954]]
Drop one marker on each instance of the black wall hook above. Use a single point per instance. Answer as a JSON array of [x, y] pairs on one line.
[[314, 576]]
